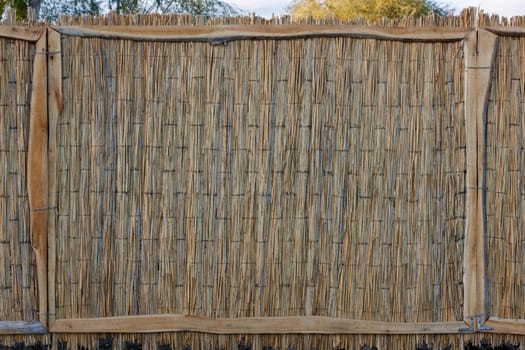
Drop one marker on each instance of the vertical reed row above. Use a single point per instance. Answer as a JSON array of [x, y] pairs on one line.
[[505, 185], [18, 286], [185, 340]]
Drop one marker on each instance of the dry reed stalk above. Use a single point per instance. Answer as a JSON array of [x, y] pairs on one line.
[[11, 340], [467, 19]]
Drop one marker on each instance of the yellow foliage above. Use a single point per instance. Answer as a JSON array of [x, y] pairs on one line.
[[370, 10]]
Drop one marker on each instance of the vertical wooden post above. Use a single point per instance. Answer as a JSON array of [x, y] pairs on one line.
[[480, 49], [37, 171], [55, 104]]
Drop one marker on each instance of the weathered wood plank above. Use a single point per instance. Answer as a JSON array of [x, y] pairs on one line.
[[21, 32], [55, 102], [480, 52], [506, 31], [506, 326], [21, 327], [255, 325], [37, 172], [220, 34]]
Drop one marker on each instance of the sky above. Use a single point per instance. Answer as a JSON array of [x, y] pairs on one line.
[[507, 8]]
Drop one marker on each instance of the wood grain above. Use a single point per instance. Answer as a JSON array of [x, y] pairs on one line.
[[55, 102], [506, 326], [21, 327], [480, 51], [37, 172], [21, 33], [237, 32], [255, 325], [506, 31]]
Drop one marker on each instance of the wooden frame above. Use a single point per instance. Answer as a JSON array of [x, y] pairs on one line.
[[255, 325], [46, 105]]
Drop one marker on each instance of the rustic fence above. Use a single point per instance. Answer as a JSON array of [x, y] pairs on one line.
[[250, 183]]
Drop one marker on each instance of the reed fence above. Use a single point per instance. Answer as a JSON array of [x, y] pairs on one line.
[[244, 183]]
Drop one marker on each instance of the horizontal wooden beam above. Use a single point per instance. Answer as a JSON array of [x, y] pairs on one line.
[[506, 31], [251, 325], [505, 326], [21, 33], [21, 327], [223, 33], [236, 32]]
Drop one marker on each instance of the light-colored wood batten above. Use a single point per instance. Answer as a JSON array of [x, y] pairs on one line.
[[480, 49], [222, 33], [251, 325], [506, 31], [21, 32], [55, 104], [37, 172], [505, 326]]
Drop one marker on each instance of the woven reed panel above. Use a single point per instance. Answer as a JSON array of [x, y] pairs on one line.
[[505, 182], [261, 178], [18, 287]]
